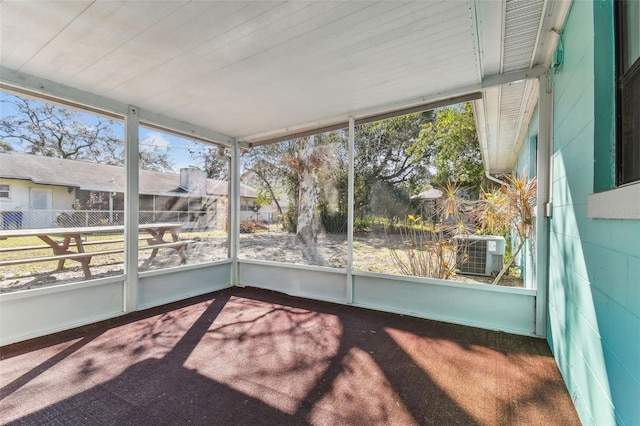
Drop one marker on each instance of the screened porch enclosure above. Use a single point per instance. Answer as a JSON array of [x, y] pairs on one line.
[[341, 265], [178, 109], [236, 77]]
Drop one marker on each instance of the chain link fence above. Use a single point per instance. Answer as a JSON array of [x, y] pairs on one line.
[[265, 217], [38, 219]]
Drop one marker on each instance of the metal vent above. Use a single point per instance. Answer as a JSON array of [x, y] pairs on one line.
[[480, 254], [522, 24]]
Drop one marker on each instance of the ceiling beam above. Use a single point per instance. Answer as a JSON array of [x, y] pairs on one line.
[[29, 85], [490, 16], [377, 117], [435, 100], [17, 81]]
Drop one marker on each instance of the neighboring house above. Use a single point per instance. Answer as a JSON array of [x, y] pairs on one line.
[[35, 191]]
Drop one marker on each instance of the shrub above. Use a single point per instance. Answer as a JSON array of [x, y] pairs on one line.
[[247, 227], [424, 253], [362, 225], [64, 220], [260, 225], [333, 223], [291, 221], [67, 220]]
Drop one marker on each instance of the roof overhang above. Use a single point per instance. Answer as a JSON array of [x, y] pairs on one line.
[[263, 71]]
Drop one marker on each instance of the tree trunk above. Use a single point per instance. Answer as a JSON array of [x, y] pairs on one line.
[[307, 194], [272, 193]]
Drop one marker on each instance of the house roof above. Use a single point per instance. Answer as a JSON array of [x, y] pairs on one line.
[[255, 71], [97, 177]]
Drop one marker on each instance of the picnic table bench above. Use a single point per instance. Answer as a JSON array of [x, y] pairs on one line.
[[72, 239]]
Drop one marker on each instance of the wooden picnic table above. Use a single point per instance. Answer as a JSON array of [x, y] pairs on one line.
[[72, 238]]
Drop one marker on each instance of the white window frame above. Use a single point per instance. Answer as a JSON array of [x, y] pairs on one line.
[[622, 202], [8, 191]]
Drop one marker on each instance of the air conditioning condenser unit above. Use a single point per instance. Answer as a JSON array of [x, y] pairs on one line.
[[480, 254]]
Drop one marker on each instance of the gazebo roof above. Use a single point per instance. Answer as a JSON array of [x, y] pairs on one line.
[[430, 194]]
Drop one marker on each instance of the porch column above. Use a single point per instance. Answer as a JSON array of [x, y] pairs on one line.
[[131, 208], [350, 210], [234, 212], [543, 206]]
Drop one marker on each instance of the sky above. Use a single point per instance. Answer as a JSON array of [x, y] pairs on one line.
[[176, 148]]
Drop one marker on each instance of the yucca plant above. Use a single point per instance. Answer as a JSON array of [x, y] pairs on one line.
[[452, 208], [431, 252], [511, 206], [428, 253], [424, 253]]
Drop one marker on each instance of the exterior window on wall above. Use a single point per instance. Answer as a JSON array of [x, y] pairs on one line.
[[4, 191], [628, 89]]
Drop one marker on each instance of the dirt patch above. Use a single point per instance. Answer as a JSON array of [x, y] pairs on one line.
[[371, 253]]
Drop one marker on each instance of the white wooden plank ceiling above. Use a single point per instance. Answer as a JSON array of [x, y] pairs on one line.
[[254, 70]]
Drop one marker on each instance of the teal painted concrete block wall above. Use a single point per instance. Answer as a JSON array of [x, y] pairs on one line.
[[594, 264], [526, 166]]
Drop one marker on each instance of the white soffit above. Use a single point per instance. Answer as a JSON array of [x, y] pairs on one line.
[[247, 69], [529, 36], [521, 30], [506, 111], [505, 106]]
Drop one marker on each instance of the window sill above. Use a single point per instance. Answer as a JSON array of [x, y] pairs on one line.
[[618, 203]]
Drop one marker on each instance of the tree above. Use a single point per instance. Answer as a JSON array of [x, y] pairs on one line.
[[305, 163], [394, 158], [5, 146], [510, 208], [452, 144], [309, 170], [387, 155], [46, 129], [154, 160], [274, 175], [503, 210], [215, 160]]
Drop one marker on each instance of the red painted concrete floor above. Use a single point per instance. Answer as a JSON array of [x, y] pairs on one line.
[[246, 356]]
